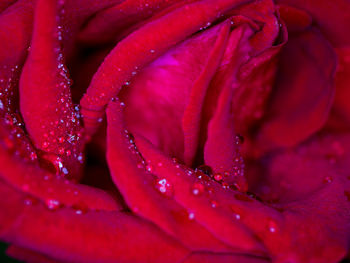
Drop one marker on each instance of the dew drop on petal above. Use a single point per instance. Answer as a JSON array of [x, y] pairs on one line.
[[213, 204], [191, 215], [80, 209], [164, 187], [272, 226], [52, 204], [197, 189], [30, 201], [328, 180], [149, 168], [218, 177]]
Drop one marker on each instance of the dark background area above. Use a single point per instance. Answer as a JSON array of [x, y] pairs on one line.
[[3, 257]]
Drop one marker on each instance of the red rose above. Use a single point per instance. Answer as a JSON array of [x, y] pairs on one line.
[[207, 131]]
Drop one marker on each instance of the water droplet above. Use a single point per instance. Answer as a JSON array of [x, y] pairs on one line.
[[149, 168], [213, 204], [164, 187], [218, 177], [80, 209], [30, 201], [191, 216], [61, 150], [33, 156], [197, 188], [52, 204], [328, 179], [272, 226], [64, 170]]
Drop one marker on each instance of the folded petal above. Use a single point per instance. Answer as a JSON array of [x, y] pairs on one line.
[[146, 44], [303, 95], [92, 237], [147, 195], [331, 17], [46, 105]]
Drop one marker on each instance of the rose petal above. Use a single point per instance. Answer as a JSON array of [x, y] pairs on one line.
[[223, 258], [148, 196], [157, 97], [15, 32], [310, 183], [45, 100], [111, 22], [304, 91], [330, 17], [192, 115], [27, 255], [342, 82], [33, 180], [108, 80], [103, 236], [5, 4], [220, 149]]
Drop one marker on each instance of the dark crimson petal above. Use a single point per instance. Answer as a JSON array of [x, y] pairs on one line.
[[207, 257], [147, 195], [310, 183], [304, 92], [35, 181], [45, 100], [5, 4], [342, 82], [220, 149], [331, 17], [295, 19], [140, 48], [101, 236], [27, 255], [106, 25], [192, 115], [75, 14]]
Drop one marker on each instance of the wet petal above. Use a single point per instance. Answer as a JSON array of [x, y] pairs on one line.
[[147, 195], [63, 234], [120, 63], [50, 117]]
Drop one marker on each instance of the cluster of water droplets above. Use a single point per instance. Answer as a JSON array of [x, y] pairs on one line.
[[63, 137], [12, 131]]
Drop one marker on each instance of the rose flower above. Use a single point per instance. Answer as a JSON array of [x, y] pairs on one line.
[[175, 130]]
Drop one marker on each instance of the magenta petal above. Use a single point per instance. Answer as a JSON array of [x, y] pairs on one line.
[[121, 62]]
